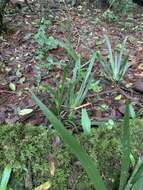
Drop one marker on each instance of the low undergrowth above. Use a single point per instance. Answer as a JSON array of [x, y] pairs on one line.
[[37, 155]]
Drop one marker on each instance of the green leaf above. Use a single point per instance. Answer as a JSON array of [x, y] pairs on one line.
[[115, 67], [85, 122], [5, 177], [44, 186], [118, 97], [125, 163], [138, 185], [70, 50], [133, 161], [74, 145], [110, 124], [132, 111], [135, 182], [86, 82]]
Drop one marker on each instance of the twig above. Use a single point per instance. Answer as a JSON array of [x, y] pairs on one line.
[[83, 106], [101, 93], [6, 91], [128, 96], [79, 107]]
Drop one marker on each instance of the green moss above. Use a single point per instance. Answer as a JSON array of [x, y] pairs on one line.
[[29, 150]]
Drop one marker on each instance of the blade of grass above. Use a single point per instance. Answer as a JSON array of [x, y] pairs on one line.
[[116, 67], [45, 185], [76, 148], [106, 67], [85, 122], [5, 177], [137, 180], [76, 69], [122, 50], [107, 40], [60, 95], [84, 84], [136, 176], [74, 81], [70, 50], [124, 67], [125, 162]]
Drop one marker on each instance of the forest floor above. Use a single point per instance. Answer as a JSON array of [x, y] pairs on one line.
[[18, 52], [37, 153]]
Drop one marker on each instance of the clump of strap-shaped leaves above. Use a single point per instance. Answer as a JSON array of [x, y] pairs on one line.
[[133, 182], [116, 65]]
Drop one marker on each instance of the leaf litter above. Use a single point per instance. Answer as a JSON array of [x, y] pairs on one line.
[[17, 55]]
